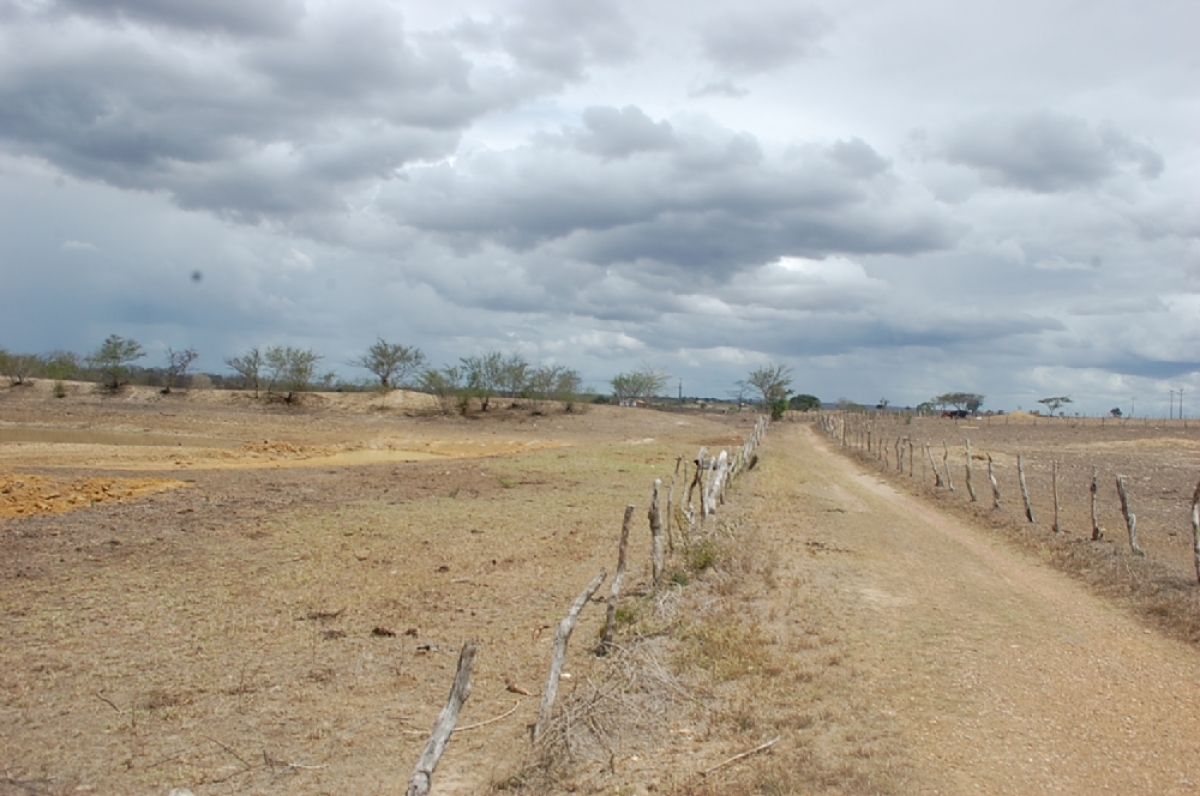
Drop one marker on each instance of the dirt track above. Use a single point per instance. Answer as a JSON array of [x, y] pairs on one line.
[[996, 673]]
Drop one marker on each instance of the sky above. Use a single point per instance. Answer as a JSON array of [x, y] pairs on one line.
[[894, 199]]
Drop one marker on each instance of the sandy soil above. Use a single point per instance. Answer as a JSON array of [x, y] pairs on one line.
[[287, 622]]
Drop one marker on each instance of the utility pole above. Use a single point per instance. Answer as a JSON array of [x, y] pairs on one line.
[[1171, 411]]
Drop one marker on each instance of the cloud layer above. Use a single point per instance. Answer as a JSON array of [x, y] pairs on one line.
[[705, 188]]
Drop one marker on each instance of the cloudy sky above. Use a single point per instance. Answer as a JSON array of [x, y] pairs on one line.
[[894, 198]]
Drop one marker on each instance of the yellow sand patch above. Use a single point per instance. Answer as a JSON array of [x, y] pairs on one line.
[[26, 495]]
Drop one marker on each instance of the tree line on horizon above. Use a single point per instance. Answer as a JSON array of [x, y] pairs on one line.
[[288, 371]]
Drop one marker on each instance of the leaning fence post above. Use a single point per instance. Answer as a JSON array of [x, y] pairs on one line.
[[610, 619], [1097, 534], [995, 486], [561, 636], [422, 777], [970, 483], [1130, 517], [1024, 488], [937, 475]]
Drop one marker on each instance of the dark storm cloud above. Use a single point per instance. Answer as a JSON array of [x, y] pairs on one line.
[[708, 201], [1047, 152], [257, 127], [260, 17], [753, 41]]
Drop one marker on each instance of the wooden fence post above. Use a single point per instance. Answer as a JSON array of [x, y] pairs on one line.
[[910, 457], [992, 479], [610, 618], [970, 483], [946, 464], [422, 777], [1097, 534], [1196, 530], [1130, 517], [1054, 482], [1024, 488], [561, 636], [937, 475], [656, 537], [671, 505]]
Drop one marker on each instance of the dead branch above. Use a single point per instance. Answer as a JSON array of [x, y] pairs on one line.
[[749, 753]]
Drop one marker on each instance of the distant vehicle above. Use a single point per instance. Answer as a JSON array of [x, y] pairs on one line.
[[956, 413]]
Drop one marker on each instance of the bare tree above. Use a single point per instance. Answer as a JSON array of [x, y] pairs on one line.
[[249, 366], [178, 363]]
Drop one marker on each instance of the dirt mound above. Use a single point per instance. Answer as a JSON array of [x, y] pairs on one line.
[[276, 448], [26, 495]]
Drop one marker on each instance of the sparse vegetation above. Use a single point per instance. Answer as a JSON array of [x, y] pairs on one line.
[[773, 383], [1054, 403], [392, 363], [178, 364], [642, 384], [112, 360], [293, 370], [804, 403]]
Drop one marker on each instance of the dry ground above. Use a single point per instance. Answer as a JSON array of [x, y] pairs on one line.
[[211, 634], [231, 635]]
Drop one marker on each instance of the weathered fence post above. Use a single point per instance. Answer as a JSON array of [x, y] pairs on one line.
[[1024, 488], [937, 475], [1196, 530], [1130, 517], [995, 485], [562, 635], [970, 483], [656, 537], [422, 777], [1054, 482], [946, 464], [671, 504], [910, 457], [1097, 534], [899, 458], [610, 618]]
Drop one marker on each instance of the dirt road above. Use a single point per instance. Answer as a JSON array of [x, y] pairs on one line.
[[978, 668]]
